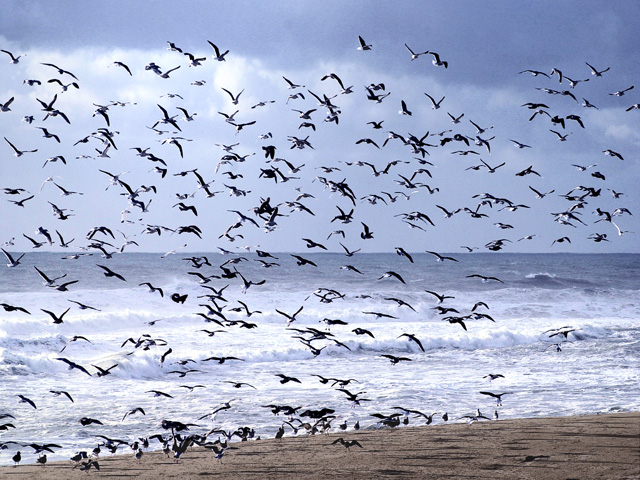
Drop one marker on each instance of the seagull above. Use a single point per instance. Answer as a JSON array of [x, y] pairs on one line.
[[347, 443], [290, 318], [414, 339], [520, 145], [60, 70], [234, 98], [562, 138], [47, 281], [484, 279], [218, 56], [435, 105], [441, 258], [56, 319], [18, 153], [390, 274], [110, 273], [4, 107], [597, 73], [535, 73], [441, 298], [131, 412], [561, 240], [14, 59], [120, 64], [497, 396], [152, 289], [404, 110], [414, 55], [363, 45], [455, 119], [13, 262], [24, 399], [394, 360], [292, 85], [611, 153], [75, 338], [437, 62]]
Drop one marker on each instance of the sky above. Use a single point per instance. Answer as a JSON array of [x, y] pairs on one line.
[[485, 45]]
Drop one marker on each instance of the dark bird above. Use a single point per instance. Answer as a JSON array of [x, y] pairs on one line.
[[71, 365], [57, 393], [290, 318], [596, 72], [122, 65], [85, 421], [102, 372], [135, 410], [441, 298], [152, 289], [56, 319], [367, 233], [347, 443], [219, 56], [484, 279], [158, 393], [16, 152], [239, 384], [401, 252], [13, 262], [363, 45], [362, 331], [110, 273], [60, 70], [286, 379], [24, 399], [302, 261], [393, 359], [82, 306], [441, 258], [391, 274], [413, 338], [497, 396], [458, 320]]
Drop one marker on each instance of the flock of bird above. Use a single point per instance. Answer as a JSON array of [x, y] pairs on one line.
[[409, 176]]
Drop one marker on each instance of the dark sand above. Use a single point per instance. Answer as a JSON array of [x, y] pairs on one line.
[[581, 447]]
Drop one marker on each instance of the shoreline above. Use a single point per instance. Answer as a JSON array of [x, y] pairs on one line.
[[581, 447]]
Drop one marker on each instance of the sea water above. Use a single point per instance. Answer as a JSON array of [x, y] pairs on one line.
[[593, 370]]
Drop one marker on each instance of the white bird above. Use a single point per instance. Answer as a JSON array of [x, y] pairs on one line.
[[437, 62], [597, 73], [415, 55], [234, 98], [16, 152], [520, 145], [218, 56], [435, 105], [13, 262], [620, 93]]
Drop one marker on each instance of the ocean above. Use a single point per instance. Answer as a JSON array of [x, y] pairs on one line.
[[591, 299]]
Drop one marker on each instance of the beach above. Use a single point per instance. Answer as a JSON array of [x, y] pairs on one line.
[[582, 447]]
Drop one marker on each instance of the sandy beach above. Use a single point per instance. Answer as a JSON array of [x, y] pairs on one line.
[[581, 447]]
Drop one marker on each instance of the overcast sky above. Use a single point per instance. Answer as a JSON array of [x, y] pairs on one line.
[[486, 45]]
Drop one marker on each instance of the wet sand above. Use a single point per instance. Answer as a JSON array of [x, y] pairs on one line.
[[581, 447]]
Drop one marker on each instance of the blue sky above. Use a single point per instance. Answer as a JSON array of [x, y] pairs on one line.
[[485, 45]]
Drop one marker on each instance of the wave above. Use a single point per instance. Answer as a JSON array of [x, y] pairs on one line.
[[41, 356]]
